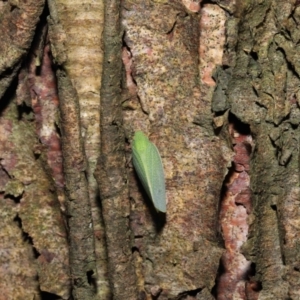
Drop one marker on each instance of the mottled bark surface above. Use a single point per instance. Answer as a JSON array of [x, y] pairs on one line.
[[75, 35], [34, 245], [111, 174], [214, 85], [263, 78], [177, 253], [18, 21]]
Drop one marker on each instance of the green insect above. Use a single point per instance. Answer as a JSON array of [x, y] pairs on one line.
[[148, 165]]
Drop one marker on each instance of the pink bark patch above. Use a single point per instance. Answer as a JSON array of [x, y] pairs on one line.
[[44, 101], [212, 40], [127, 61], [235, 207], [192, 6]]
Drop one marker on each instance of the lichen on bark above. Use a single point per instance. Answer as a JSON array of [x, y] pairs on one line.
[[262, 91]]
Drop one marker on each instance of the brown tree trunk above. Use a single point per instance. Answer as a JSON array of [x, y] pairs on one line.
[[214, 85]]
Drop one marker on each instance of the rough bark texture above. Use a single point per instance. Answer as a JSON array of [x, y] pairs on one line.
[[79, 105], [82, 260], [177, 255], [111, 173], [214, 85], [33, 237], [78, 29], [263, 78], [18, 21], [33, 234], [236, 205]]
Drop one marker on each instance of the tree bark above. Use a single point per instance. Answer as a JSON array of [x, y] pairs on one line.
[[214, 86]]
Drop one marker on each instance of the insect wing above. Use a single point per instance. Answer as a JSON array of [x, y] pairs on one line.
[[155, 171], [148, 165], [139, 163]]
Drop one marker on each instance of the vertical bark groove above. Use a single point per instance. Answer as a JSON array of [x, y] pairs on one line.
[[81, 235], [111, 173]]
